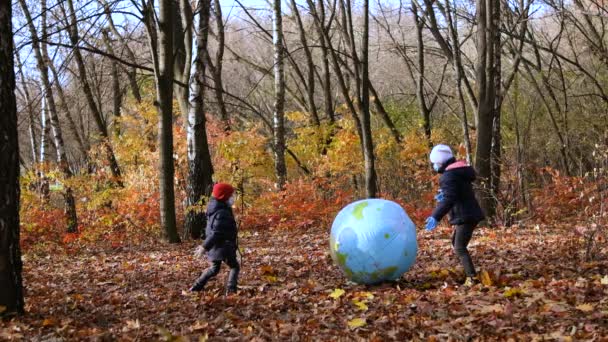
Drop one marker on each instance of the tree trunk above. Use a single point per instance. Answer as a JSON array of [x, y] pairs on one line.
[[341, 77], [45, 131], [164, 103], [457, 62], [63, 104], [11, 296], [486, 75], [424, 109], [219, 61], [384, 114], [41, 57], [93, 107], [131, 73], [310, 86], [200, 169], [182, 41], [279, 101], [495, 157], [116, 91], [327, 94], [30, 111], [370, 170]]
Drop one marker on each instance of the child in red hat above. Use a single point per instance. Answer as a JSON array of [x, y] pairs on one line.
[[221, 241]]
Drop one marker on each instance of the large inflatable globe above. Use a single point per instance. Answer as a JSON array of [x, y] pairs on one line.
[[373, 241]]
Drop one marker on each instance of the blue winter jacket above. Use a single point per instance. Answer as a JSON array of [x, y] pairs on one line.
[[458, 195], [221, 231]]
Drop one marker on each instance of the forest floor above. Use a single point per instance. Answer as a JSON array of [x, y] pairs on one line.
[[534, 287]]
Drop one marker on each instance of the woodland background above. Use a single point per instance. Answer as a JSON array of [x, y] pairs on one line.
[[128, 110]]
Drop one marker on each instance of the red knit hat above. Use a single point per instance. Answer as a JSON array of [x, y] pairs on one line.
[[222, 191]]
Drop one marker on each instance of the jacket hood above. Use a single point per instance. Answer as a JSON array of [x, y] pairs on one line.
[[462, 169], [214, 205]]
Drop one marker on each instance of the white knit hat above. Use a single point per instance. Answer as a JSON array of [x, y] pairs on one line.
[[440, 154]]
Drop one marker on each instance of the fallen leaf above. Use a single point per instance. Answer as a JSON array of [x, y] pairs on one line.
[[367, 295], [485, 278], [586, 307], [604, 281], [337, 293], [360, 305], [199, 325], [2, 308], [48, 322], [356, 323], [271, 278], [267, 269], [492, 308], [556, 307], [133, 324], [513, 292]]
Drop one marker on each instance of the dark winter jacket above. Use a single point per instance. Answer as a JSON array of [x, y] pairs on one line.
[[458, 195], [221, 231]]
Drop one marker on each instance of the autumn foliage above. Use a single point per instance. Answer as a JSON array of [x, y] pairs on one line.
[[528, 280], [326, 176]]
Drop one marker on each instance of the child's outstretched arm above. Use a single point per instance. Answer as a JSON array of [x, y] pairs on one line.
[[449, 189]]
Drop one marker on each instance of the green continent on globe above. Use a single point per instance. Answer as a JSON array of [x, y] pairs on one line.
[[358, 211], [365, 277], [341, 258]]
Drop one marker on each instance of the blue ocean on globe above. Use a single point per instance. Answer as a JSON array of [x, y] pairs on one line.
[[373, 240]]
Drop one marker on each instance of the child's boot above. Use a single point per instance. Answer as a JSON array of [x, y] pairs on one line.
[[471, 281], [198, 286], [233, 278]]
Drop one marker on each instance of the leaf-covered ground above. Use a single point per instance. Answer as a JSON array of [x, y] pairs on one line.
[[534, 287]]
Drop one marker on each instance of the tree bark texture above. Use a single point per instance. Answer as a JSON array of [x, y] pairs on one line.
[[486, 75], [219, 61], [182, 41], [116, 90], [200, 169], [11, 295], [164, 103], [371, 187], [279, 100]]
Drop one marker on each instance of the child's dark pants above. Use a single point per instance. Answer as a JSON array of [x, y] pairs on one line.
[[460, 240], [215, 269]]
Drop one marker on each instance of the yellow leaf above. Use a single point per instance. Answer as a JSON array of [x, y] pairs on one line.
[[604, 281], [514, 292], [356, 323], [337, 293], [361, 305], [586, 307], [367, 295], [271, 278], [485, 278], [2, 308]]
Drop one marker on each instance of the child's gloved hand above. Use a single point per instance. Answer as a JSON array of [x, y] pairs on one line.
[[199, 252], [431, 223], [439, 197]]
